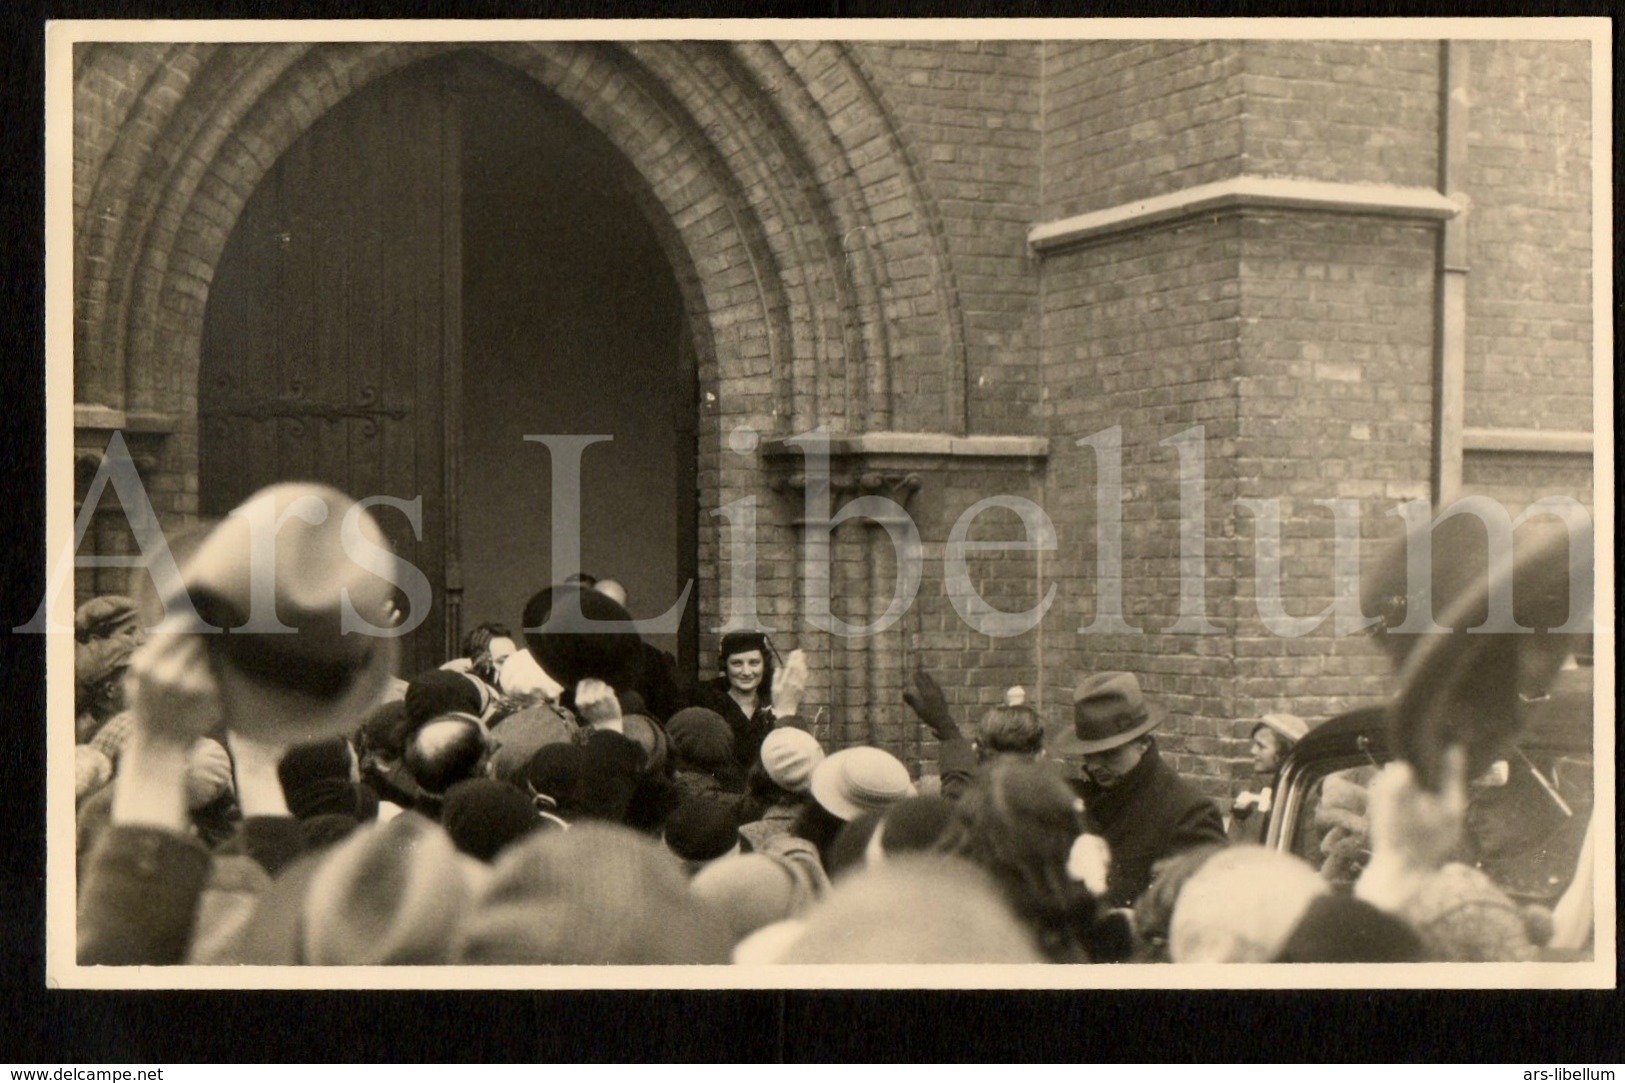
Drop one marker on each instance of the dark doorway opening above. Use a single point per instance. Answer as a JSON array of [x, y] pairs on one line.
[[448, 261]]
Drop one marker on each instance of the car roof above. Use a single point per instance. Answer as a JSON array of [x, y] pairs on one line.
[[1343, 734], [1561, 721]]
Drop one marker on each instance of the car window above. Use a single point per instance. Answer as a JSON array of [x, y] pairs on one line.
[[1526, 821], [1330, 832]]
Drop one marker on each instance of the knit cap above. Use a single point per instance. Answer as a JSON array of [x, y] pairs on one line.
[[701, 830], [701, 737], [435, 692], [790, 756], [484, 816]]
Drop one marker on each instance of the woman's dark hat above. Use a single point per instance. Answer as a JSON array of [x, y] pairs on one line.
[[1108, 710], [743, 640], [564, 630]]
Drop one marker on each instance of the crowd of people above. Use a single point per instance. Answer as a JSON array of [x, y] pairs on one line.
[[277, 795]]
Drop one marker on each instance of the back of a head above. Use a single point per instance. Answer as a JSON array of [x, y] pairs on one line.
[[701, 829], [1010, 731], [1019, 811], [596, 894], [445, 751], [484, 816], [1241, 906], [385, 730], [916, 909], [390, 893], [303, 763], [554, 774], [748, 890]]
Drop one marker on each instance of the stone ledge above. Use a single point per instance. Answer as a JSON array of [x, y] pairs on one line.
[[1250, 193], [95, 417], [919, 443], [1537, 441]]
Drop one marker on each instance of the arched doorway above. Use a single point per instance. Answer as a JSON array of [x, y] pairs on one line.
[[446, 262]]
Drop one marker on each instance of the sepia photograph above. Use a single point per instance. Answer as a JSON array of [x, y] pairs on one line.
[[794, 504]]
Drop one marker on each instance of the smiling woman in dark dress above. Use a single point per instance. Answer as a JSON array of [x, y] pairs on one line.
[[743, 695]]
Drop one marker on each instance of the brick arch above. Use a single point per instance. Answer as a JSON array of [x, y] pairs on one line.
[[796, 189], [779, 189]]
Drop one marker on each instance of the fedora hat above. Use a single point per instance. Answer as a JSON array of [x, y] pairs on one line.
[[296, 670], [1474, 688], [1108, 710]]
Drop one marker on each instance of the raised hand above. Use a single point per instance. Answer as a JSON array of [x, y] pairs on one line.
[[1413, 829], [171, 689], [597, 705], [928, 702], [790, 684]]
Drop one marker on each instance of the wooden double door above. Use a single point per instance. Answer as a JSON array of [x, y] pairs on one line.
[[406, 228]]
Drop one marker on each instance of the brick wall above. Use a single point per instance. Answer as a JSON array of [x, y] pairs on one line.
[[1129, 119], [1141, 334], [1528, 173], [968, 114], [1336, 403], [1356, 112]]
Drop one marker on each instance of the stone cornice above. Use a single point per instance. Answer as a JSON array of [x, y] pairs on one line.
[[888, 464], [1533, 441], [90, 416], [930, 444], [1244, 193]]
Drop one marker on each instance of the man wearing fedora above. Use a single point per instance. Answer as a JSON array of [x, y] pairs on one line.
[[1143, 809]]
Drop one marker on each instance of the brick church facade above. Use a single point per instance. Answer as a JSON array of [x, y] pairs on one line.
[[1306, 270]]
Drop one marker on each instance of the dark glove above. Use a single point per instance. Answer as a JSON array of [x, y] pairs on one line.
[[928, 702]]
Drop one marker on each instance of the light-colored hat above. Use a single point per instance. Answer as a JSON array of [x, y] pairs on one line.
[[858, 780], [304, 671], [1288, 727], [790, 756]]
